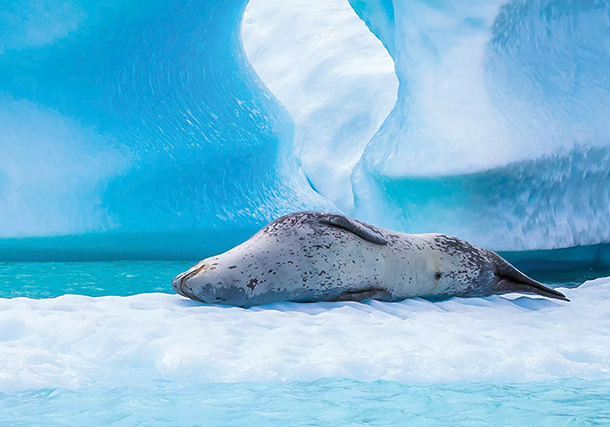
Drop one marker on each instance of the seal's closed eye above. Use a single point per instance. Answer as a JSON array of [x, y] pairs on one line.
[[364, 231]]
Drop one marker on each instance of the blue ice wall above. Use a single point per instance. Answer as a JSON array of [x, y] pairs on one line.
[[137, 127]]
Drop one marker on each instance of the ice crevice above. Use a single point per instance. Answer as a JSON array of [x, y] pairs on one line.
[[332, 74]]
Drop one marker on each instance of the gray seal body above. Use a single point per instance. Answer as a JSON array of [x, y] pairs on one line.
[[312, 256]]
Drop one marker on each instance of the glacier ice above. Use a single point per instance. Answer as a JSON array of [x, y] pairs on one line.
[[141, 128], [139, 118], [500, 133]]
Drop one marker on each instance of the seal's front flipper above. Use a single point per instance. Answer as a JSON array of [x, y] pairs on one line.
[[360, 229], [360, 296], [509, 279]]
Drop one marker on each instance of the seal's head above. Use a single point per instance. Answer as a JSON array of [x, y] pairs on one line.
[[180, 280], [209, 282]]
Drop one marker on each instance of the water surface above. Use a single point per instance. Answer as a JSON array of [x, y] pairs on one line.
[[318, 403]]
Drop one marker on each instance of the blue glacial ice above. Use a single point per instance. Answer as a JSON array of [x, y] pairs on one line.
[[499, 133], [139, 118], [144, 127]]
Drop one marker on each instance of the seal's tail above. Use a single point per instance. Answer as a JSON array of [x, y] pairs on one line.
[[509, 279]]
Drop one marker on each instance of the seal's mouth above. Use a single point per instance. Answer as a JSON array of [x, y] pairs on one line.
[[180, 280]]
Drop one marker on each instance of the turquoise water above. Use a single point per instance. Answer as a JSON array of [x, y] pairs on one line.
[[320, 403], [52, 279], [99, 278]]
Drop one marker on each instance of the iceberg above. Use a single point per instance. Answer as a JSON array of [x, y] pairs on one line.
[[499, 134], [152, 129]]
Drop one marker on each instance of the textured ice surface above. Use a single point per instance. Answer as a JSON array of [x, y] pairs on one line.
[[139, 117], [500, 133], [77, 341]]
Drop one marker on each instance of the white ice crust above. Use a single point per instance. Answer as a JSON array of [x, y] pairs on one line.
[[333, 75], [77, 341]]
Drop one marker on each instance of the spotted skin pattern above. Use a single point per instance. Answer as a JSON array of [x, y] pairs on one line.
[[313, 256]]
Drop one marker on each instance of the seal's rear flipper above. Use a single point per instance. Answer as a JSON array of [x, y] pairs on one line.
[[360, 229], [512, 280], [504, 286]]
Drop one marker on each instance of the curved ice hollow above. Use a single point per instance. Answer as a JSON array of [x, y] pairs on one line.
[[499, 134]]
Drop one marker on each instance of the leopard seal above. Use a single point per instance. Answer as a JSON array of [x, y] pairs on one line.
[[313, 256]]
